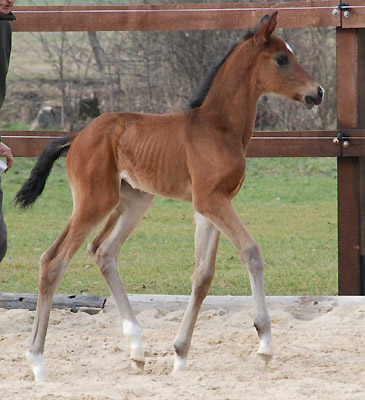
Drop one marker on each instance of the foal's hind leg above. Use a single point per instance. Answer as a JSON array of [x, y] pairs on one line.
[[53, 265], [105, 249], [206, 244]]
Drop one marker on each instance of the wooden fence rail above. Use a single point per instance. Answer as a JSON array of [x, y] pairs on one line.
[[173, 17], [349, 22]]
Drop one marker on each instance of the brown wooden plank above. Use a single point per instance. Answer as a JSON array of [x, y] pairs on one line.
[[355, 118], [362, 218], [349, 275], [356, 18], [171, 17], [302, 134], [259, 147], [355, 149], [33, 134], [263, 144], [347, 77], [361, 124], [291, 134], [26, 147], [361, 77], [29, 143], [293, 147], [348, 168]]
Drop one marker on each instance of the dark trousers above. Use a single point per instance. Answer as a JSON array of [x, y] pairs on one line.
[[3, 232]]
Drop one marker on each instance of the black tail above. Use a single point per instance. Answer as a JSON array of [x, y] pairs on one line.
[[34, 185]]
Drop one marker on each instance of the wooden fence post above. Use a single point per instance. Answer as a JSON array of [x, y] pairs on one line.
[[351, 170]]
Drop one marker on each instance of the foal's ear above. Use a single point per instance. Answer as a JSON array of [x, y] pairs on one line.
[[265, 28]]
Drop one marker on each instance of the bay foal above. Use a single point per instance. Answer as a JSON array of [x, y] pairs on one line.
[[120, 161]]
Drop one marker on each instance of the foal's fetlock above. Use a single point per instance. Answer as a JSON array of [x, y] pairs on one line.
[[263, 327], [132, 331], [180, 364], [180, 358], [36, 362]]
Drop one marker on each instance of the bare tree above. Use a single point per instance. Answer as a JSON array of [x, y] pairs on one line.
[[161, 71]]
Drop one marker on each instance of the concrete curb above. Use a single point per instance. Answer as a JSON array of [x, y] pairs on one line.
[[301, 307]]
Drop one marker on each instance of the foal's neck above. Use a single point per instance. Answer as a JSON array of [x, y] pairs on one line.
[[232, 100]]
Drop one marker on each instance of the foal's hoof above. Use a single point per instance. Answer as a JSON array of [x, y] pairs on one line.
[[265, 357], [265, 352], [138, 366]]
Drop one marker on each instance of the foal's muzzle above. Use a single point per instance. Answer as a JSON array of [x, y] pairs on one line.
[[314, 100]]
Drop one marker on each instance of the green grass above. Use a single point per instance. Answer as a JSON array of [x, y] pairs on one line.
[[13, 126], [289, 205]]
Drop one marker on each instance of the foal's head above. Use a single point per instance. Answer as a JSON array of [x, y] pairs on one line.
[[278, 70]]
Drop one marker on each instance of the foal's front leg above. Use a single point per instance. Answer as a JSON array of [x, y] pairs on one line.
[[206, 243], [221, 212]]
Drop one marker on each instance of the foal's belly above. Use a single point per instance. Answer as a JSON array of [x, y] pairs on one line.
[[170, 186]]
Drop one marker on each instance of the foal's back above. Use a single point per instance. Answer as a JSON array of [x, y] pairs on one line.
[[149, 151]]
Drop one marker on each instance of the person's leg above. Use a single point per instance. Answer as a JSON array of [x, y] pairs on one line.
[[3, 232]]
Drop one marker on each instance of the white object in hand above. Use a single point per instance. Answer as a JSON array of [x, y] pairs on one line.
[[3, 167]]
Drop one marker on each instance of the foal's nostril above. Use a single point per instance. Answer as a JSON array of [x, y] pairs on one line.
[[310, 100], [315, 99]]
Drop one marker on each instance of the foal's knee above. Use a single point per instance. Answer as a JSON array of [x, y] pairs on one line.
[[203, 277], [98, 252], [51, 271], [105, 258], [202, 280], [253, 258]]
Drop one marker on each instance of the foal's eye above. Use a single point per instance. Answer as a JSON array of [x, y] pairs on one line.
[[282, 60]]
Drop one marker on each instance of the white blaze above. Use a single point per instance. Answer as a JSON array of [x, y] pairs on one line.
[[289, 48]]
